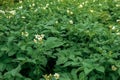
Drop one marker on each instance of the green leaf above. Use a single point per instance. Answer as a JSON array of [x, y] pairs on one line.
[[68, 63], [25, 60], [23, 47], [13, 72], [82, 76], [1, 75], [113, 76], [65, 76], [11, 38], [88, 67], [62, 60], [119, 71], [11, 53], [2, 66], [21, 59], [16, 70], [100, 68], [93, 78], [52, 42], [5, 49], [87, 70], [74, 74]]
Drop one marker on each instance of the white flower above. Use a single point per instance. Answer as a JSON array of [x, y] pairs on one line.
[[118, 20], [9, 17], [57, 76], [83, 3], [71, 12], [94, 0], [113, 28], [71, 22], [20, 1], [80, 6], [118, 33], [22, 33], [47, 5], [33, 4], [25, 34], [39, 37], [12, 12], [35, 40], [91, 11], [23, 17], [117, 30], [117, 5], [20, 7], [56, 22], [86, 2], [35, 10], [44, 8], [68, 11], [51, 2], [1, 11], [100, 4], [114, 68], [42, 35]]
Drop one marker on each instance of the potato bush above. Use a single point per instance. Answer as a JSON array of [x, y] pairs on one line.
[[60, 40]]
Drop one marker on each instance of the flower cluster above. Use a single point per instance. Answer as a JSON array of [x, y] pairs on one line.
[[47, 77], [2, 12], [25, 34], [56, 76], [38, 38], [69, 12], [114, 68], [46, 6], [115, 30], [13, 12]]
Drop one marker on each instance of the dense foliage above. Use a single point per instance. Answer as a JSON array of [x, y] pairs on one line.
[[60, 39]]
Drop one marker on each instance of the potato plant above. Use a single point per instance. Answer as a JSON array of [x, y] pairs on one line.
[[60, 40]]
